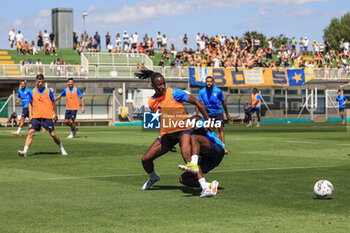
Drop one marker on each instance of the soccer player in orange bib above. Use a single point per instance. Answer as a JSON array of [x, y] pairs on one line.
[[41, 108], [255, 107], [169, 102], [72, 95]]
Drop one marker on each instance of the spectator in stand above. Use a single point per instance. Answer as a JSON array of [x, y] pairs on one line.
[[217, 61], [97, 38], [257, 44], [131, 42], [198, 39], [201, 46], [306, 45], [268, 52], [341, 46], [25, 47], [32, 48], [159, 41], [53, 49], [110, 47], [19, 42], [185, 42], [326, 45], [294, 43], [126, 44], [164, 42], [52, 45], [75, 41], [40, 42], [161, 63], [12, 36], [151, 47], [118, 44], [46, 42], [39, 66], [145, 39], [173, 50], [29, 67], [140, 48], [346, 46], [108, 39], [79, 48], [135, 39], [22, 64], [84, 40], [53, 67], [94, 47]]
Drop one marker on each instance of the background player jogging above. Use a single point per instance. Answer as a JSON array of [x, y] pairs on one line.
[[342, 101], [72, 95], [167, 101], [24, 94], [41, 108], [255, 107], [213, 98]]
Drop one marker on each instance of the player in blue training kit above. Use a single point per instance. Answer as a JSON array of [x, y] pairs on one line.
[[215, 103], [207, 153], [24, 94], [342, 101]]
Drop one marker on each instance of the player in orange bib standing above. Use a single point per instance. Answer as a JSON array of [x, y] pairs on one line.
[[41, 109], [255, 107], [72, 95]]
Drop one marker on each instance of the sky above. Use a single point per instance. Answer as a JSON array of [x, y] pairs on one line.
[[174, 18]]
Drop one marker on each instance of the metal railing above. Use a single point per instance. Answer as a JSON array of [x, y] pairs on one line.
[[129, 71], [50, 71], [118, 59]]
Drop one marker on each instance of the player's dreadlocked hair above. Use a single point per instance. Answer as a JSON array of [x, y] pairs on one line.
[[148, 74]]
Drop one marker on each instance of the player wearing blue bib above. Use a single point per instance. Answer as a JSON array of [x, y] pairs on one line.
[[342, 101], [215, 103], [207, 153], [24, 94]]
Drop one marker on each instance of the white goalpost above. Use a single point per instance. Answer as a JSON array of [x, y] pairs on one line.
[[331, 106]]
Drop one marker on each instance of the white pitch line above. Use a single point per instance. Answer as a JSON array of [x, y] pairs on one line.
[[219, 171], [305, 142]]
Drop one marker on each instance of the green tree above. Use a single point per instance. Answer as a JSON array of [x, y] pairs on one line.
[[256, 34], [337, 30], [279, 40]]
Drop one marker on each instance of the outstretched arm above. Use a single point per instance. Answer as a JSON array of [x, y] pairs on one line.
[[55, 118], [82, 105], [225, 109], [198, 105], [58, 98]]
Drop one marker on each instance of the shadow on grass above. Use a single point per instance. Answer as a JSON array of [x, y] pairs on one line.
[[45, 153], [189, 191]]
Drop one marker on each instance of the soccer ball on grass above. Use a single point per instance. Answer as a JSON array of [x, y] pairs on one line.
[[323, 189]]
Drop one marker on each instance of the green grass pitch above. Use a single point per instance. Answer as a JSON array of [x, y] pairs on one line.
[[266, 183]]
